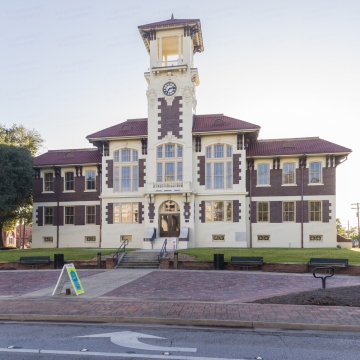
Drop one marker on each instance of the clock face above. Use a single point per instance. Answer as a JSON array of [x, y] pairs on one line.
[[169, 89]]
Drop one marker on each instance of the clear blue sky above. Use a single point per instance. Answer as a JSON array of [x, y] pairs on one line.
[[70, 68]]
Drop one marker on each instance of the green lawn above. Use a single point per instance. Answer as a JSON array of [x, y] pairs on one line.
[[277, 254], [69, 253]]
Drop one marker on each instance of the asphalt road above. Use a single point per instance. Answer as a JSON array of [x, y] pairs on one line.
[[124, 341]]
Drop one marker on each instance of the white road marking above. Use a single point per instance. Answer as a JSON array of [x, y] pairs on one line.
[[121, 355], [130, 340]]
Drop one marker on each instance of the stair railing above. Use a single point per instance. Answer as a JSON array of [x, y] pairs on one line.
[[120, 250], [163, 250]]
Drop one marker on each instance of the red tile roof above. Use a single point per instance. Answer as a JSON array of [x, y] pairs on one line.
[[204, 123], [72, 156], [134, 127], [294, 146], [169, 22]]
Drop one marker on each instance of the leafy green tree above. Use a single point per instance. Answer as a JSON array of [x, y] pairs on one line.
[[16, 170], [339, 228]]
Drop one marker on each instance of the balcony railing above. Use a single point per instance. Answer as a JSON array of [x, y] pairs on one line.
[[163, 63]]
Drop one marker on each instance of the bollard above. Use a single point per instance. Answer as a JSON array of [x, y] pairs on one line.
[[99, 260], [176, 254]]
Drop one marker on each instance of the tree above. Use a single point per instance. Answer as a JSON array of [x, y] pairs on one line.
[[339, 228], [16, 170], [19, 136]]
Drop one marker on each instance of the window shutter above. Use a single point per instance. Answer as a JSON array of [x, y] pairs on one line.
[[39, 216], [326, 211]]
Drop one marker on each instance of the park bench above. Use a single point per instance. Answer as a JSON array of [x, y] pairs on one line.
[[342, 263], [34, 261], [247, 261]]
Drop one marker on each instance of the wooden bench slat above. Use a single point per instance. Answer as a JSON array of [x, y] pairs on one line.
[[325, 261], [247, 260]]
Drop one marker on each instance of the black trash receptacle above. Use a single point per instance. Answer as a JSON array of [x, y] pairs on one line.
[[218, 261], [58, 261]]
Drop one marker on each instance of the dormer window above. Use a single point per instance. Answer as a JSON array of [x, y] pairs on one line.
[[126, 170]]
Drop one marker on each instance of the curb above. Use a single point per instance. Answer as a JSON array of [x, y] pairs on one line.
[[177, 321]]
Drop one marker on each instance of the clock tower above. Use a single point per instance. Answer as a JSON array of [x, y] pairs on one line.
[[172, 80]]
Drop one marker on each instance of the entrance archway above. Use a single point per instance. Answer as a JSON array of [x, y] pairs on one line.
[[169, 215]]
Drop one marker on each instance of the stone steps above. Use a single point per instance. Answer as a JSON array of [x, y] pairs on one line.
[[139, 260]]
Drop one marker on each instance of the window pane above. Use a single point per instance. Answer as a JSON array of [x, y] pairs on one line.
[[315, 167], [179, 171], [125, 178], [218, 151], [69, 181], [229, 175], [263, 174], [90, 215], [228, 151], [126, 213], [117, 178], [228, 210], [180, 151], [208, 210], [160, 152], [315, 172], [218, 211], [116, 213], [135, 156], [135, 178], [208, 176], [218, 175], [169, 151], [126, 155], [135, 212], [208, 152], [169, 171], [90, 180], [116, 156], [159, 172]]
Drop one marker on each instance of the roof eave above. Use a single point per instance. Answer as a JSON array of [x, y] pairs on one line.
[[298, 154], [116, 137], [232, 131]]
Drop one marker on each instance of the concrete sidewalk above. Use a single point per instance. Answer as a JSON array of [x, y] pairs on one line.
[[209, 298]]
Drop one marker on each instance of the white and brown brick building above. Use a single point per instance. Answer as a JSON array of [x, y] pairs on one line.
[[204, 180]]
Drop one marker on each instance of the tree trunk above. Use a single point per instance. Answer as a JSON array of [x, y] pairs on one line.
[[1, 236], [24, 235]]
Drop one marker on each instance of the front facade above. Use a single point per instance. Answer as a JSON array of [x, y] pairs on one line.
[[200, 180]]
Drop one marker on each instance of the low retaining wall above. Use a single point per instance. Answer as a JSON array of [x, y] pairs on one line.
[[79, 264], [166, 263]]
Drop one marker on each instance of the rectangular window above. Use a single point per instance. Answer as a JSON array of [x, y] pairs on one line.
[[228, 151], [228, 175], [116, 157], [208, 152], [315, 172], [180, 151], [169, 171], [208, 176], [90, 180], [90, 215], [126, 155], [126, 213], [169, 151], [218, 151], [229, 211], [69, 215], [315, 238], [263, 237], [117, 178], [263, 174], [49, 182], [179, 171], [125, 178], [48, 239], [208, 211], [288, 211], [263, 211], [116, 213], [69, 181], [289, 173], [135, 155], [160, 152], [218, 210], [159, 172], [218, 175], [218, 237], [135, 178], [315, 210], [135, 212], [48, 215], [90, 239]]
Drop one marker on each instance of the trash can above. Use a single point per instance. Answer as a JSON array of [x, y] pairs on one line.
[[58, 261], [218, 261]]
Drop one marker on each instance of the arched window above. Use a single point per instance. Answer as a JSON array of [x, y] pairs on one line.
[[169, 163], [126, 170], [218, 167]]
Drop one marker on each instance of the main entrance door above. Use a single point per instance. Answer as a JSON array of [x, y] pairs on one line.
[[169, 219]]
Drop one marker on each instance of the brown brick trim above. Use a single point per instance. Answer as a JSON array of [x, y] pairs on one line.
[[170, 117], [275, 211], [141, 212], [202, 211], [151, 211], [253, 212], [236, 168], [187, 208], [110, 213], [306, 211], [298, 211], [201, 170], [98, 214], [142, 173], [109, 173], [39, 215], [236, 210], [326, 211], [59, 209], [79, 215]]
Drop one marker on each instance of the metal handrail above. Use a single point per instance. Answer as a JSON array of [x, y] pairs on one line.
[[163, 250], [120, 250], [323, 278]]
